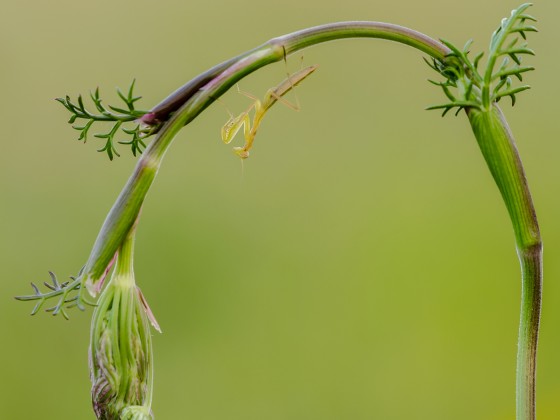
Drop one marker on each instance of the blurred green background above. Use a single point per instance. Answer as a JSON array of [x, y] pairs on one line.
[[361, 267]]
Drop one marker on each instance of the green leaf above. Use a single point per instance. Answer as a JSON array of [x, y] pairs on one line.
[[118, 115]]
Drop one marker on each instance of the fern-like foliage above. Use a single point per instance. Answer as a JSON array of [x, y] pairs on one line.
[[120, 116], [462, 83], [62, 292], [466, 86]]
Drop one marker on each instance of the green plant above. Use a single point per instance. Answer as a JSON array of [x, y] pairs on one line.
[[466, 88], [112, 114]]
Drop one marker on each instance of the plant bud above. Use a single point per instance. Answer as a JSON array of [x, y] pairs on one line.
[[120, 355]]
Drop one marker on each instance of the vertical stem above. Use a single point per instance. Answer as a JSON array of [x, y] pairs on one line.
[[531, 266], [498, 148], [125, 260]]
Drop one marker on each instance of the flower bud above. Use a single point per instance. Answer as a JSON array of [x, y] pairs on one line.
[[120, 357]]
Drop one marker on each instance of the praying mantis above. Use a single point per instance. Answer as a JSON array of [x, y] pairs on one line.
[[234, 124]]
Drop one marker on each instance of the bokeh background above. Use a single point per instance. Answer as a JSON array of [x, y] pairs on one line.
[[361, 266]]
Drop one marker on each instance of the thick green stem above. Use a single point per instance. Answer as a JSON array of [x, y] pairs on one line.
[[188, 102], [531, 265], [498, 148], [125, 260]]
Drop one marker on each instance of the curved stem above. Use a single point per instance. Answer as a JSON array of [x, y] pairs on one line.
[[362, 29], [287, 44], [185, 104]]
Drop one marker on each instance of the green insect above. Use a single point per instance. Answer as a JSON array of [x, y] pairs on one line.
[[234, 124]]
